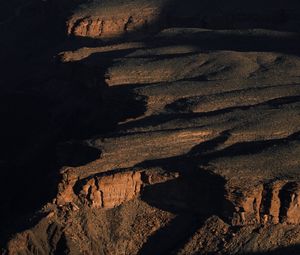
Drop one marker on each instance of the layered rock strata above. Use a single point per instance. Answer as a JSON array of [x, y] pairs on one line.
[[202, 155]]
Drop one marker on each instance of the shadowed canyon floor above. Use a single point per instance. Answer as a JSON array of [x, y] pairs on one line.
[[152, 127]]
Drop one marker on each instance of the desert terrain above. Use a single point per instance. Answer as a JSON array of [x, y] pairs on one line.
[[150, 127]]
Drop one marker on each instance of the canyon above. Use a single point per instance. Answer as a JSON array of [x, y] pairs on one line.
[[150, 127]]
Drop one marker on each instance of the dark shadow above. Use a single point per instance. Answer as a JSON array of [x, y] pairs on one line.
[[285, 196], [290, 250], [233, 14], [171, 237], [61, 246], [193, 197], [75, 104], [195, 191], [48, 104], [245, 41], [76, 154]]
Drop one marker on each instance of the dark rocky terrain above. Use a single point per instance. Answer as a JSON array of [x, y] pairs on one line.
[[150, 127]]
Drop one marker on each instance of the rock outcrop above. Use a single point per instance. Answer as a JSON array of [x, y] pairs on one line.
[[109, 21]]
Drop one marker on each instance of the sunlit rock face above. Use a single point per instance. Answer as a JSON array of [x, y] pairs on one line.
[[108, 20], [111, 191]]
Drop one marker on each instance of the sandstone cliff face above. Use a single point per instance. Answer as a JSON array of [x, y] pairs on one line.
[[271, 203], [113, 27], [109, 21], [111, 191]]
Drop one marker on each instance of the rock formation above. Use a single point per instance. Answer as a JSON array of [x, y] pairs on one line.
[[154, 127]]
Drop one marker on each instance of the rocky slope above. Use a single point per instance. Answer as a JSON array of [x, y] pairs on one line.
[[167, 134]]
